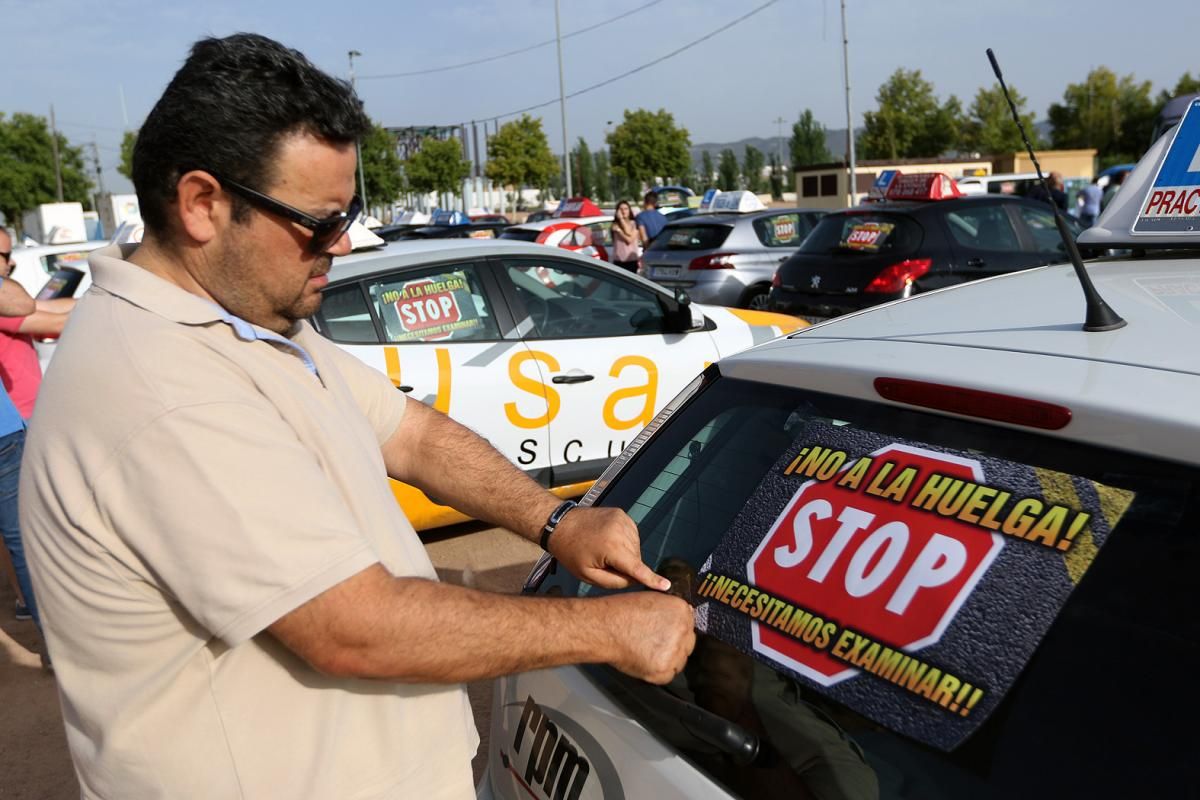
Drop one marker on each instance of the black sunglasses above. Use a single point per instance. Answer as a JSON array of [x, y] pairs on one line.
[[325, 232]]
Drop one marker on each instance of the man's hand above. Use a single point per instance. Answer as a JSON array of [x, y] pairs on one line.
[[602, 546], [654, 634]]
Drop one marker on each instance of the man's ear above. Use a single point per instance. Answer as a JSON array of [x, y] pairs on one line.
[[202, 206]]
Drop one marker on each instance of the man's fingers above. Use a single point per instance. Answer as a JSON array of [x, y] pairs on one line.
[[631, 564], [605, 579]]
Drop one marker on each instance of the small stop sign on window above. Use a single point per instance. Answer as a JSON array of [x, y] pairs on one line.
[[887, 570]]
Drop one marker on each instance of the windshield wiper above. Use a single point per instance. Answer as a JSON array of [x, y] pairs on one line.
[[742, 746]]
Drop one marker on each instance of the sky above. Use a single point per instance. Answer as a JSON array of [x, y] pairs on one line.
[[103, 65]]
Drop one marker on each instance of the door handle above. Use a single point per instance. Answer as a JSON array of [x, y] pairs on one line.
[[976, 262], [405, 389], [579, 377]]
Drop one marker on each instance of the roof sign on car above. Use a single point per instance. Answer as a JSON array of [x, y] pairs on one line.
[[738, 202], [573, 207], [1171, 204], [448, 217], [882, 182], [922, 186], [709, 196]]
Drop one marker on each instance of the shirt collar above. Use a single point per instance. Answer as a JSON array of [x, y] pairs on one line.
[[112, 271]]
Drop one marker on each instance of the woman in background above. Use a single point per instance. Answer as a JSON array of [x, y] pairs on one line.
[[625, 238]]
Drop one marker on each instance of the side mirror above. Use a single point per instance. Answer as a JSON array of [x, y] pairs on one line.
[[678, 312]]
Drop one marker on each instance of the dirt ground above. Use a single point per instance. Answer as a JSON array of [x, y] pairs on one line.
[[34, 763]]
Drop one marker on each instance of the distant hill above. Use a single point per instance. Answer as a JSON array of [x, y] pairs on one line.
[[835, 141]]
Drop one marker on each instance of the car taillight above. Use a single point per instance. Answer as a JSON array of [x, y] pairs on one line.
[[714, 261], [975, 403], [898, 276], [776, 281]]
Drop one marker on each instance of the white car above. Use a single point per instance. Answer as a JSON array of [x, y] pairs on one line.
[[941, 548], [557, 359], [33, 266]]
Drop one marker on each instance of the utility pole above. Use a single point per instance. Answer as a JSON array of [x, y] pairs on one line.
[[54, 148], [849, 116], [362, 181], [562, 103], [124, 111]]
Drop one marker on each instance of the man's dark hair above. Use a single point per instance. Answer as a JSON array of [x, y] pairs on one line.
[[226, 110], [652, 198]]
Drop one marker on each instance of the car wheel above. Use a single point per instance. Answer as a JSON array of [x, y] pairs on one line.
[[755, 299]]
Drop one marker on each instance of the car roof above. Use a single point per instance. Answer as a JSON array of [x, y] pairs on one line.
[[909, 206], [542, 224], [702, 218], [1041, 311], [415, 252]]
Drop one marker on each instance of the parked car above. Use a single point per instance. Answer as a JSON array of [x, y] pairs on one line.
[[930, 548], [727, 259], [557, 359], [882, 251]]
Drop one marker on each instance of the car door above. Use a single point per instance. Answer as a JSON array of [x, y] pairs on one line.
[[985, 240], [1041, 233], [444, 335], [598, 345]]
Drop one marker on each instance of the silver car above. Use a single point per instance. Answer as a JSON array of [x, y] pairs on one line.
[[727, 259]]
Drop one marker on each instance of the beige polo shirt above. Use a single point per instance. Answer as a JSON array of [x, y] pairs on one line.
[[186, 484]]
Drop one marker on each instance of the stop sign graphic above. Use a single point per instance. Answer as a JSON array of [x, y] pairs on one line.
[[869, 563], [423, 308]]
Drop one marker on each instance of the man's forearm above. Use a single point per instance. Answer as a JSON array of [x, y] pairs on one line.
[[14, 300], [457, 466], [419, 631]]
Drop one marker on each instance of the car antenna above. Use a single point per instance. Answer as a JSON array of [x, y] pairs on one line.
[[1100, 316]]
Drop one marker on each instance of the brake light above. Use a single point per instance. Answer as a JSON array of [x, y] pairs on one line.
[[975, 403], [776, 281], [714, 261], [898, 276]]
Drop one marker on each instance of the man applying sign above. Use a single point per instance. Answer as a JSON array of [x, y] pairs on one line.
[[235, 605]]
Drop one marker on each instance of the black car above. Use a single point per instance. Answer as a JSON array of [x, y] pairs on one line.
[[474, 230], [874, 253]]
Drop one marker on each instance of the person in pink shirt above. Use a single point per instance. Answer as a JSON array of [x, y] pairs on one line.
[[19, 367]]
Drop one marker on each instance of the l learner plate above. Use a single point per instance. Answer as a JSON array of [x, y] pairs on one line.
[[665, 272]]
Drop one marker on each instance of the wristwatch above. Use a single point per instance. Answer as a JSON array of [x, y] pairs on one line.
[[555, 517]]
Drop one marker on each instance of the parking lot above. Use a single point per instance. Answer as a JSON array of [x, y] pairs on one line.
[[33, 746]]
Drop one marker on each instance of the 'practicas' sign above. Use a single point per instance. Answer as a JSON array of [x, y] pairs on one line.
[[849, 548]]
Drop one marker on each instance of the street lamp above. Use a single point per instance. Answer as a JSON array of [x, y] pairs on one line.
[[362, 181]]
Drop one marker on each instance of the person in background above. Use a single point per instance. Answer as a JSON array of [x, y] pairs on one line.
[[651, 221], [15, 302], [1056, 194], [19, 367], [1089, 203], [625, 238]]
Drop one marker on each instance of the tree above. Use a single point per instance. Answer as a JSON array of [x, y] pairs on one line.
[[382, 167], [584, 172], [519, 155], [27, 167], [728, 178], [1114, 115], [127, 142], [752, 168], [648, 145], [706, 166], [438, 167], [989, 128], [807, 144], [602, 176], [909, 122], [776, 178], [1185, 85]]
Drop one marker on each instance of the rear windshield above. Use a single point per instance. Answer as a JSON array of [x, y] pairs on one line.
[[863, 233], [1083, 625], [691, 237], [521, 234], [782, 230]]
